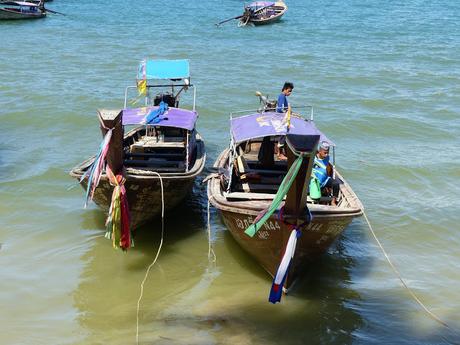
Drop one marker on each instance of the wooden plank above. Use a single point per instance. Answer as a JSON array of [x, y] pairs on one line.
[[151, 162], [159, 169], [249, 196], [251, 187], [267, 196], [112, 119], [243, 167], [139, 145], [166, 155]]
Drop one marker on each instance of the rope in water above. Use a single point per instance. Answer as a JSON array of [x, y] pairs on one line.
[[210, 249], [156, 256], [430, 313]]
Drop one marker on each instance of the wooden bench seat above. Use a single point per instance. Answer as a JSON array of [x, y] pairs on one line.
[[147, 155], [153, 162], [244, 167], [158, 169], [256, 187]]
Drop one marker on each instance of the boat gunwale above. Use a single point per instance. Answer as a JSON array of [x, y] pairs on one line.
[[217, 199], [20, 15], [274, 18], [137, 174]]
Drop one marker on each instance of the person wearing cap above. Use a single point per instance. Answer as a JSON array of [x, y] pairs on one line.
[[323, 171]]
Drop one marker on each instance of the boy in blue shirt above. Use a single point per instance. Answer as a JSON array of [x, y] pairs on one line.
[[281, 107], [282, 104]]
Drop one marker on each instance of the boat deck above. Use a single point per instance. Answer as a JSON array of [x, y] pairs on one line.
[[254, 187]]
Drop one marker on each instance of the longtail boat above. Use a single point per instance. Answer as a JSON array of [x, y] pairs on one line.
[[263, 12], [260, 13], [264, 201], [21, 10], [161, 141]]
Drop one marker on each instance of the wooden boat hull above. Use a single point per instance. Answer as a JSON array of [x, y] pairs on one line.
[[268, 245], [10, 15], [144, 190], [275, 18]]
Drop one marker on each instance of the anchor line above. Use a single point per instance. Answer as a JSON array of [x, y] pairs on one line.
[[210, 249], [398, 274]]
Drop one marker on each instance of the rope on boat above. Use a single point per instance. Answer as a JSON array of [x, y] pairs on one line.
[[156, 256], [398, 274], [210, 249]]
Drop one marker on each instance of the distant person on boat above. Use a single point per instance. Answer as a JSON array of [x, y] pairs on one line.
[[323, 172], [281, 107], [283, 104]]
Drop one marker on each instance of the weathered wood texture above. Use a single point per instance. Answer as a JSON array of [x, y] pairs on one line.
[[111, 119]]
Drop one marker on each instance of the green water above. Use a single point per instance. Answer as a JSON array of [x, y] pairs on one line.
[[384, 79]]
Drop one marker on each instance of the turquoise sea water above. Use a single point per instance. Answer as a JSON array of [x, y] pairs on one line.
[[384, 79]]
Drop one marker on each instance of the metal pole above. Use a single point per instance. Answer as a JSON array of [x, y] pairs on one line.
[[126, 97], [194, 97], [333, 161], [187, 153]]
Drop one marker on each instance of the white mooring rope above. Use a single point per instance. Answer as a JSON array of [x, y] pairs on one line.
[[210, 249], [156, 256], [419, 302]]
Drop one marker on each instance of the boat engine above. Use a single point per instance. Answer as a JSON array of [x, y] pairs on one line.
[[169, 99]]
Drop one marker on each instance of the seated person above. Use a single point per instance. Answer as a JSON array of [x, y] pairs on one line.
[[323, 171]]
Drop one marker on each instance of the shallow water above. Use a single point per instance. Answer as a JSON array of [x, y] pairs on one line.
[[384, 79]]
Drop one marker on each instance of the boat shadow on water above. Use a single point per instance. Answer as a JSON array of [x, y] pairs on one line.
[[186, 301], [330, 304], [188, 218]]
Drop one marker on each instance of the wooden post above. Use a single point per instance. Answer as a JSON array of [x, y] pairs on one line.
[[112, 119], [297, 195], [296, 198]]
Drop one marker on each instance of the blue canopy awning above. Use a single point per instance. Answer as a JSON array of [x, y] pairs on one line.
[[164, 69]]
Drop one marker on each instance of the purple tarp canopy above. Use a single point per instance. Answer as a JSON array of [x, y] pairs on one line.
[[268, 124], [258, 4], [173, 117]]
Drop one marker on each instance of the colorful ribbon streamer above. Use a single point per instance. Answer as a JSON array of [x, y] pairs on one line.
[[95, 170], [118, 219], [287, 118], [263, 216], [281, 274], [142, 83]]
